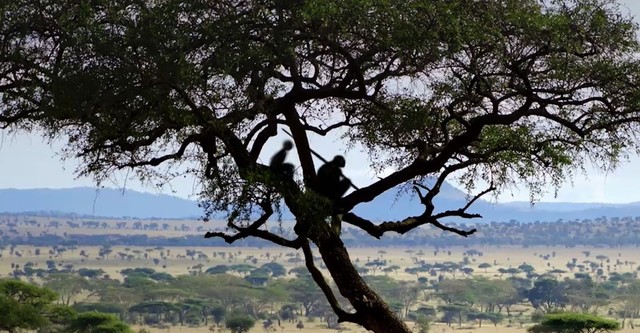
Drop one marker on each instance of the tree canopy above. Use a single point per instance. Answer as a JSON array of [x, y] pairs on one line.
[[574, 323], [487, 92], [240, 324], [25, 306]]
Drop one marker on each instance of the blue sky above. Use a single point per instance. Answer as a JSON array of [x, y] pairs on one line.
[[26, 161]]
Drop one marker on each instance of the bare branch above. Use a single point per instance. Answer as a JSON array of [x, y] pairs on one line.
[[253, 231], [326, 130], [159, 160], [413, 222], [403, 226], [464, 233]]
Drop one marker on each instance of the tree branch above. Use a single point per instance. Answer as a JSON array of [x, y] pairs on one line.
[[6, 121], [404, 226], [159, 160], [253, 231], [413, 222], [343, 316]]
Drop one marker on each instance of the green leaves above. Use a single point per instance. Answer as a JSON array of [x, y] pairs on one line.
[[498, 91], [574, 322], [23, 305], [95, 322]]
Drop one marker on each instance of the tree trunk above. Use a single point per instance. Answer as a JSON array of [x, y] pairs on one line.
[[371, 311]]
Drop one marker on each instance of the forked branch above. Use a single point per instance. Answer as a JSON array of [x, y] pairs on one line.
[[253, 230], [410, 223]]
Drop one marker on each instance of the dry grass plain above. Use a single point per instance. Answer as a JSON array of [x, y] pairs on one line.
[[318, 328], [176, 262]]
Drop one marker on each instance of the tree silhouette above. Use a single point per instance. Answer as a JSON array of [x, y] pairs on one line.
[[497, 91]]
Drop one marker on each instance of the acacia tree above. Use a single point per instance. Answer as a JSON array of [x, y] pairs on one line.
[[574, 322], [24, 306], [499, 91]]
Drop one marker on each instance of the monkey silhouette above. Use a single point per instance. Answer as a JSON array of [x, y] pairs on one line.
[[331, 182], [277, 163]]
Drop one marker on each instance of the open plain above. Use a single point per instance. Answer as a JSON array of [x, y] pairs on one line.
[[398, 263]]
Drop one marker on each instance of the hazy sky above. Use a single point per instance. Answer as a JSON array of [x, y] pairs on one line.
[[27, 162]]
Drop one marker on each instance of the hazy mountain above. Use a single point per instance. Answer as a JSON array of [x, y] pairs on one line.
[[392, 205], [98, 202]]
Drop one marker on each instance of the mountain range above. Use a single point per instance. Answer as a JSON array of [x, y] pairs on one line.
[[392, 205]]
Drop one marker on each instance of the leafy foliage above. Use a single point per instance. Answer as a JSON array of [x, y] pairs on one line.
[[239, 324], [24, 305], [95, 322], [574, 322], [497, 91]]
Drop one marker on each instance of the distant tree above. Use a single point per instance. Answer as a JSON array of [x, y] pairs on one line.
[[374, 265], [275, 269], [454, 312], [138, 282], [103, 307], [258, 276], [484, 266], [307, 293], [427, 311], [161, 277], [492, 294], [547, 295], [574, 323], [242, 268], [240, 323], [527, 268], [218, 269], [630, 305], [457, 291], [303, 272], [95, 322], [218, 313], [495, 317], [422, 324], [155, 307], [90, 273]]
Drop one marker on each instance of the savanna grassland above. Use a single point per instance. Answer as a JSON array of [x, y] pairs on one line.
[[422, 275]]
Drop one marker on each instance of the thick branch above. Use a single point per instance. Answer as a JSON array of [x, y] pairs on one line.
[[253, 231], [302, 142], [343, 316], [271, 130], [404, 226]]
